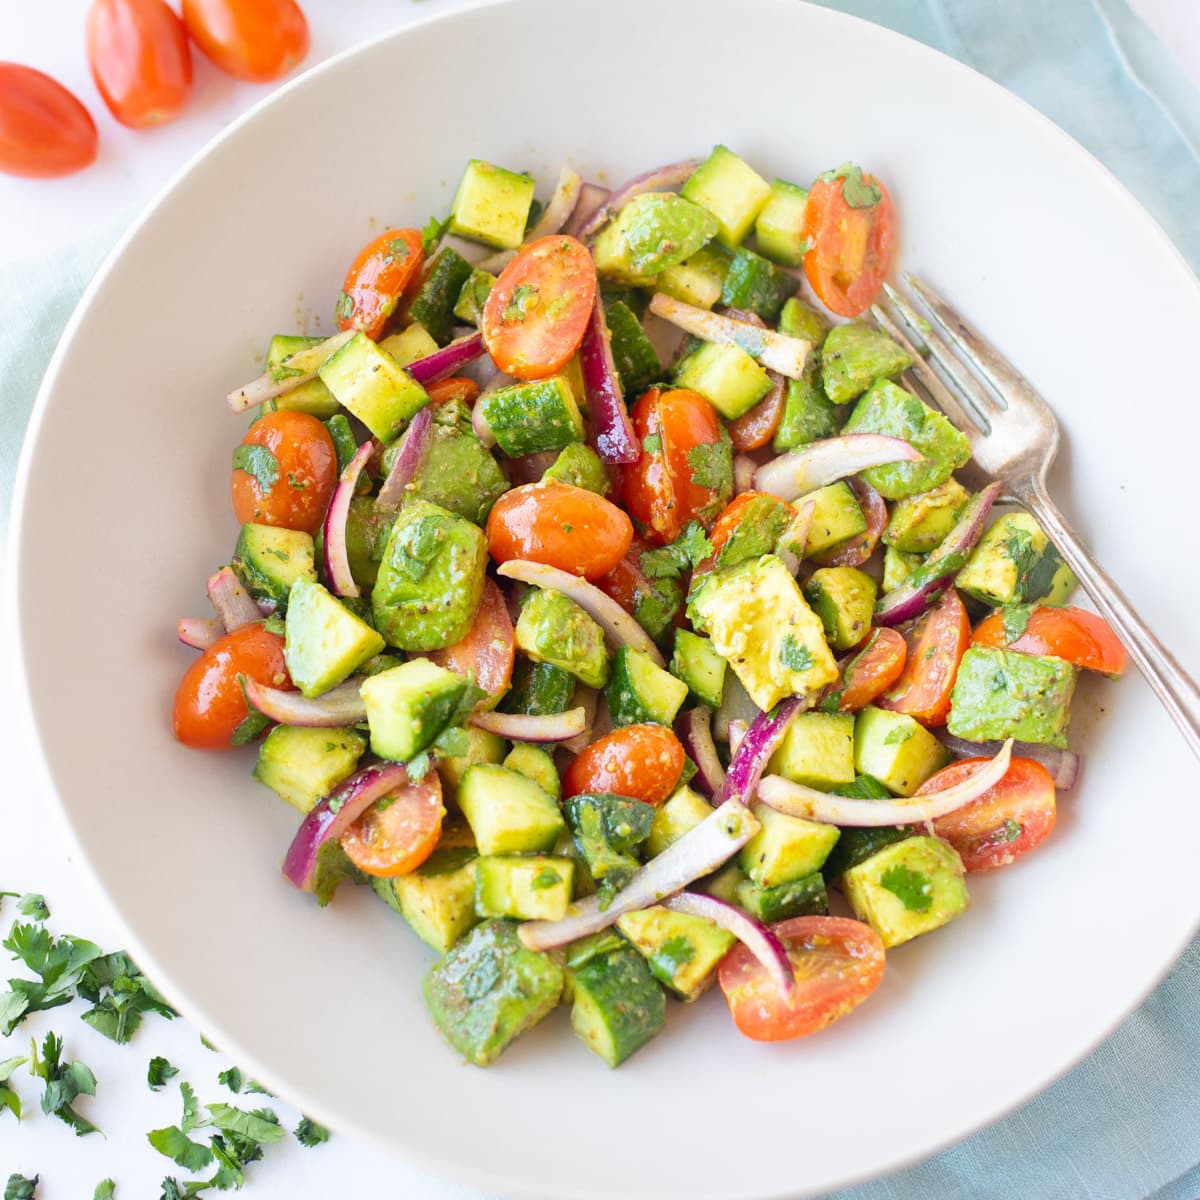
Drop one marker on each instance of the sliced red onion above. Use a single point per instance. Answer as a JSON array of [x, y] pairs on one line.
[[801, 471], [700, 851], [482, 430], [937, 572], [588, 699], [737, 731], [531, 468], [796, 800], [858, 549], [199, 632], [337, 558], [447, 361], [609, 418], [1062, 765], [414, 442], [497, 261], [296, 369], [335, 814], [660, 179], [750, 931], [743, 473], [234, 605], [591, 201], [342, 705], [777, 351], [620, 629], [794, 539], [528, 727], [736, 705], [562, 204], [752, 755], [695, 732]]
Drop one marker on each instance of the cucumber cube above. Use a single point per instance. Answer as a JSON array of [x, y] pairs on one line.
[[473, 295], [785, 848], [617, 1006], [697, 280], [269, 559], [312, 397], [553, 628], [699, 666], [508, 813], [636, 360], [779, 227], [373, 386], [534, 763], [683, 810], [303, 765], [682, 950], [434, 304], [726, 376], [482, 747], [641, 692], [731, 190], [919, 523], [533, 887], [408, 706], [817, 750], [324, 640], [898, 751], [755, 284], [438, 898], [492, 205], [844, 599], [580, 466], [805, 897], [409, 344], [527, 418]]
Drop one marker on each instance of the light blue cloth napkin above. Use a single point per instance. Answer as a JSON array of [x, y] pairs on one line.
[[1125, 1125]]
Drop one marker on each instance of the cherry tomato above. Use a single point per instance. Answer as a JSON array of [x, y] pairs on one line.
[[754, 429], [140, 60], [559, 525], [678, 478], [209, 702], [258, 40], [377, 279], [851, 227], [936, 644], [284, 471], [837, 962], [641, 761], [869, 673], [44, 130], [537, 311], [1073, 634], [399, 831], [485, 655], [455, 388], [1010, 818], [734, 514]]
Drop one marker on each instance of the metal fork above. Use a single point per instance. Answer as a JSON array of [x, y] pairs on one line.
[[1014, 436]]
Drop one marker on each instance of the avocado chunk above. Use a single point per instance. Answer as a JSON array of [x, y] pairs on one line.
[[896, 750], [607, 829], [614, 261], [489, 989], [367, 529], [785, 848], [492, 205], [857, 845], [430, 579], [854, 356], [919, 523], [680, 813], [723, 884], [324, 640], [1002, 693], [731, 190], [269, 559], [303, 765], [661, 229], [579, 466], [527, 418], [535, 763], [837, 517], [754, 284], [817, 750], [908, 888], [636, 360], [553, 628], [617, 1006], [699, 666], [410, 344], [898, 567], [1015, 563], [530, 887], [804, 897], [482, 747], [473, 296], [844, 599], [508, 813], [890, 410], [433, 305], [808, 414], [779, 227], [373, 386], [640, 692], [682, 950], [538, 688], [408, 706], [698, 280], [726, 376], [759, 622], [438, 898], [311, 397]]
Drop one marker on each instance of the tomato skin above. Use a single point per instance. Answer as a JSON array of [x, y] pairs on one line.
[[397, 833], [140, 60], [209, 702], [838, 963], [754, 429], [305, 477], [456, 387], [255, 40], [376, 280], [850, 248], [1073, 634], [870, 672], [936, 645], [45, 132], [1008, 820], [537, 312], [641, 761], [486, 653], [560, 525]]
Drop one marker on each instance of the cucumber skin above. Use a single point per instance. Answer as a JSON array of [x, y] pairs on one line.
[[617, 991]]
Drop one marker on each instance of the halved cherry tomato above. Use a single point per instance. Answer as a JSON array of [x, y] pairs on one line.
[[754, 429], [455, 388], [560, 525], [869, 673], [140, 60], [284, 471], [399, 831], [537, 311], [377, 278], [209, 702], [936, 644], [641, 761], [258, 40], [729, 520], [685, 471], [44, 130], [850, 226], [838, 963], [485, 655], [1010, 818], [1073, 634]]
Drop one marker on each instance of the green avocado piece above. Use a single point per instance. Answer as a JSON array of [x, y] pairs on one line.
[[844, 599], [530, 887], [367, 529], [438, 898], [661, 229], [324, 641], [553, 628], [1015, 563], [898, 567], [580, 466], [785, 848], [682, 950], [854, 356], [896, 750], [409, 705], [757, 285], [682, 811], [837, 517], [698, 280], [919, 523], [817, 750], [808, 413]]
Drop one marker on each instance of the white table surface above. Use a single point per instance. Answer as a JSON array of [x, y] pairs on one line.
[[35, 219]]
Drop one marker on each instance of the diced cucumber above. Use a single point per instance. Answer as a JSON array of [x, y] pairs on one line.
[[897, 750], [617, 1005], [434, 304], [527, 418], [269, 559], [1002, 693], [898, 567], [345, 445], [817, 750], [682, 950], [408, 706], [633, 353], [785, 848], [755, 284], [607, 829], [856, 354], [726, 376], [473, 295], [373, 386], [580, 466], [303, 765], [731, 190], [482, 747], [311, 397], [640, 692], [438, 898], [410, 344], [699, 279], [808, 414], [779, 228], [699, 666], [492, 205], [324, 641], [538, 688], [535, 763], [533, 887], [553, 628], [508, 813], [857, 845], [844, 599], [682, 811], [801, 898], [723, 884], [565, 847], [837, 517]]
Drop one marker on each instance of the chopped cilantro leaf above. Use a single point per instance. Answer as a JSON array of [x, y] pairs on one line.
[[911, 888], [232, 1079], [343, 310], [259, 462], [104, 1190], [309, 1133], [898, 736], [432, 233], [58, 962], [179, 1148], [685, 553], [1009, 831], [794, 655], [1016, 621], [712, 465], [275, 624], [64, 1082], [1041, 576], [652, 443], [547, 877], [120, 995], [260, 1125], [8, 1097], [159, 1071], [1019, 547], [523, 298], [674, 954], [397, 250], [19, 1187], [33, 906]]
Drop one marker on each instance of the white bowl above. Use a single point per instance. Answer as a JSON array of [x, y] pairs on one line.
[[123, 508]]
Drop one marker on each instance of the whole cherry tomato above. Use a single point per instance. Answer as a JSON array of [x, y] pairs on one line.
[[284, 471], [257, 40], [377, 279], [44, 131], [641, 761]]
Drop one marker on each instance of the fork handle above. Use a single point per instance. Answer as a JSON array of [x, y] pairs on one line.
[[1174, 687]]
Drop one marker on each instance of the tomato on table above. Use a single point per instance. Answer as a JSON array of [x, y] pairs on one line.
[[284, 472], [685, 472], [45, 131], [837, 962], [256, 40], [1009, 819], [936, 645], [560, 525], [377, 278], [640, 761], [851, 228], [869, 673], [1074, 634], [456, 387], [399, 831], [209, 702], [486, 654], [537, 312], [754, 429]]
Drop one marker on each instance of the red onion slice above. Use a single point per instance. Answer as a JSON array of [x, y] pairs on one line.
[[234, 605], [449, 360], [743, 473], [620, 629], [528, 727], [199, 632], [414, 442], [754, 752], [796, 800], [337, 558], [609, 418], [660, 179], [341, 705], [801, 471], [858, 549], [296, 369], [751, 932], [794, 540], [737, 731], [562, 204], [700, 851], [588, 699], [736, 705], [1062, 765], [591, 200], [695, 732]]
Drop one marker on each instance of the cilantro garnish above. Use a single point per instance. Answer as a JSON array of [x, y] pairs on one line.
[[685, 553], [343, 310], [64, 1083], [232, 1079], [911, 888], [309, 1133], [275, 624], [794, 655], [674, 954], [1016, 621], [652, 443], [1041, 575], [898, 736], [104, 1190], [397, 250], [33, 906], [158, 1072], [432, 233], [19, 1187], [712, 465], [1020, 549], [523, 297], [547, 877], [856, 191], [59, 964], [1009, 831], [8, 1097], [258, 462], [120, 995]]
